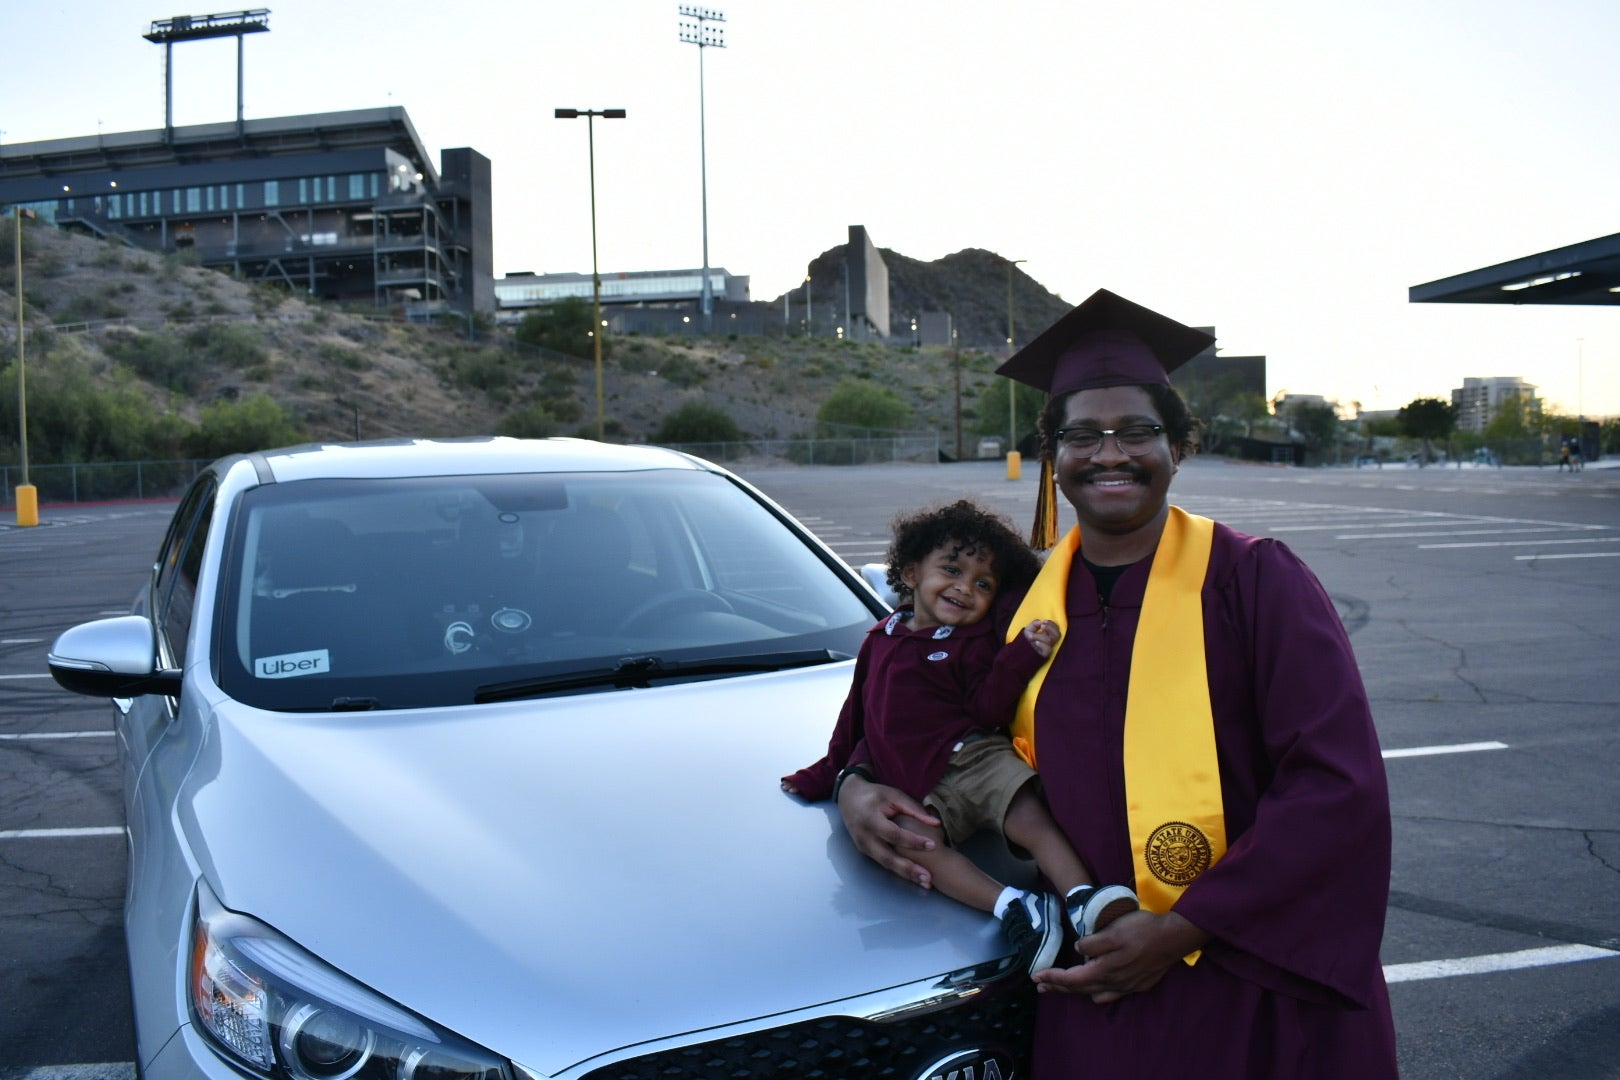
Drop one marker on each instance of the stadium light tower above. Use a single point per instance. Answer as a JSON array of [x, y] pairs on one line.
[[191, 27], [701, 34], [1012, 347], [590, 116]]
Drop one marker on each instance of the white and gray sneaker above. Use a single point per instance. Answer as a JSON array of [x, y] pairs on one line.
[[1092, 907], [1033, 923]]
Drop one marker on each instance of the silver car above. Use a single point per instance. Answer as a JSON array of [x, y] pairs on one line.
[[458, 760]]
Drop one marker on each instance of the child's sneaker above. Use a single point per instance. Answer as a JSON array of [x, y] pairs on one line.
[[1032, 924], [1092, 908]]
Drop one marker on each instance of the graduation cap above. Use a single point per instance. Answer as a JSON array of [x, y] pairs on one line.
[[1106, 341]]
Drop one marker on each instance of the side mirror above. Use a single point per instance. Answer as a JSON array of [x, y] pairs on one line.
[[877, 576], [111, 658]]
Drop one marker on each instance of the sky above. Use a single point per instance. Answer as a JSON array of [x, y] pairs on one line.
[[1280, 170]]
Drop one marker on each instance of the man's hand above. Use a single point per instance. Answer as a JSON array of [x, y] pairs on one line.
[[1129, 957], [869, 809]]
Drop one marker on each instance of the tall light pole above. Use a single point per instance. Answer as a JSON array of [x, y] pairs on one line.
[[1012, 345], [27, 497], [590, 116], [699, 33]]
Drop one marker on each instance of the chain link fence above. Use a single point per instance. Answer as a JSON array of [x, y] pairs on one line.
[[102, 481], [112, 480]]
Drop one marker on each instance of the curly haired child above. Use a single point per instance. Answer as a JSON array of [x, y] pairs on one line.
[[933, 692]]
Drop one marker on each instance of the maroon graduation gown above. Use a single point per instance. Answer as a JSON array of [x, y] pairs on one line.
[[1291, 982]]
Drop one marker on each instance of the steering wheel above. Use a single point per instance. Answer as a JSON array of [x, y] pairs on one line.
[[665, 604]]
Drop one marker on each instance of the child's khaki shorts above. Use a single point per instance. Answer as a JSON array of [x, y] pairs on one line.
[[978, 786]]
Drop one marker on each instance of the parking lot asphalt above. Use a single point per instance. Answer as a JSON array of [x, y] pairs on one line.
[[1481, 604]]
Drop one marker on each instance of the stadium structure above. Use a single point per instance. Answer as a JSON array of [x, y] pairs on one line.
[[346, 206]]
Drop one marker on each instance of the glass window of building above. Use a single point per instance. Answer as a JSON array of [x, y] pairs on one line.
[[193, 200], [272, 193]]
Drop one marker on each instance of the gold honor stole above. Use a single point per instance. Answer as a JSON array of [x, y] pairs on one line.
[[1172, 782]]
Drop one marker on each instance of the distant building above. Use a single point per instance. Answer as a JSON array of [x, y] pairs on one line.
[[934, 328], [517, 292], [1212, 376], [344, 205], [867, 287], [1478, 400]]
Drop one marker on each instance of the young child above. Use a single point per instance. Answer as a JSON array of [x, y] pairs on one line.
[[933, 693]]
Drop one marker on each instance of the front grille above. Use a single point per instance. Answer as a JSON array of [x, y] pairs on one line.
[[842, 1048]]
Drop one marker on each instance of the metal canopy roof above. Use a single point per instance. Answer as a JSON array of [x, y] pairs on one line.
[[1585, 273]]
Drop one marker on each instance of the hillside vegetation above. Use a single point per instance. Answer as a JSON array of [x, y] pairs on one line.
[[132, 355]]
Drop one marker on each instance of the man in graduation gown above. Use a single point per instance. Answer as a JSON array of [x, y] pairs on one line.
[[1202, 733]]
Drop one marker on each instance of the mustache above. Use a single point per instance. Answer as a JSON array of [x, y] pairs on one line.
[[1131, 469]]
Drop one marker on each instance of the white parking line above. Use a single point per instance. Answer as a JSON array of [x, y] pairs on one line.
[[1570, 555], [41, 675], [1447, 532], [1454, 748], [15, 736], [60, 834], [1527, 543], [1482, 965]]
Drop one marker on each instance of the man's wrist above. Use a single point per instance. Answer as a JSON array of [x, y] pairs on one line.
[[848, 771]]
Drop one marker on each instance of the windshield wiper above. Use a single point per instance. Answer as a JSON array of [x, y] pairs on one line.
[[638, 672]]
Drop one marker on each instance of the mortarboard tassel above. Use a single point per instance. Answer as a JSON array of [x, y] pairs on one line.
[[1043, 536]]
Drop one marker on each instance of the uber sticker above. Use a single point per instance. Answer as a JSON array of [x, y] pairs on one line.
[[287, 665]]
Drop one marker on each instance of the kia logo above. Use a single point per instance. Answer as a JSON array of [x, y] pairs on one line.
[[976, 1064]]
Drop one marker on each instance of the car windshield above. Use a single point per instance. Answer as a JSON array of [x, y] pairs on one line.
[[430, 591]]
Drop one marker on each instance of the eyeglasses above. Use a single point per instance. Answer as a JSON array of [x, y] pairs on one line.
[[1135, 439]]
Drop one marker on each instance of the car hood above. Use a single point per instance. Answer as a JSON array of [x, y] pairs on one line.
[[561, 878]]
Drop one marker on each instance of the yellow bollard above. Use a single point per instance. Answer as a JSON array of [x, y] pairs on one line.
[[27, 504], [1015, 462]]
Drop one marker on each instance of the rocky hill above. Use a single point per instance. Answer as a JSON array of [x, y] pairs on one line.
[[181, 338]]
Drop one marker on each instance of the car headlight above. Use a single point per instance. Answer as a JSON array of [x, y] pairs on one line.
[[275, 1008]]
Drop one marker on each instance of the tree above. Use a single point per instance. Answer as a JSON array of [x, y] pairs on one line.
[[531, 422], [697, 422], [563, 327], [1427, 419], [856, 403], [1318, 424], [993, 408], [235, 427]]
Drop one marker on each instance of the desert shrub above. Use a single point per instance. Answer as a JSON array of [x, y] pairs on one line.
[[683, 371], [89, 307], [75, 415], [559, 382], [230, 346], [530, 422], [564, 327], [856, 404], [256, 422], [159, 358], [697, 422], [638, 361], [337, 356], [488, 370]]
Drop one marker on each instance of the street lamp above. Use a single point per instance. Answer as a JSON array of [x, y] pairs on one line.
[[1012, 345], [27, 496], [590, 116], [700, 34]]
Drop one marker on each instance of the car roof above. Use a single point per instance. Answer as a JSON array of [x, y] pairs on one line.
[[463, 456]]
